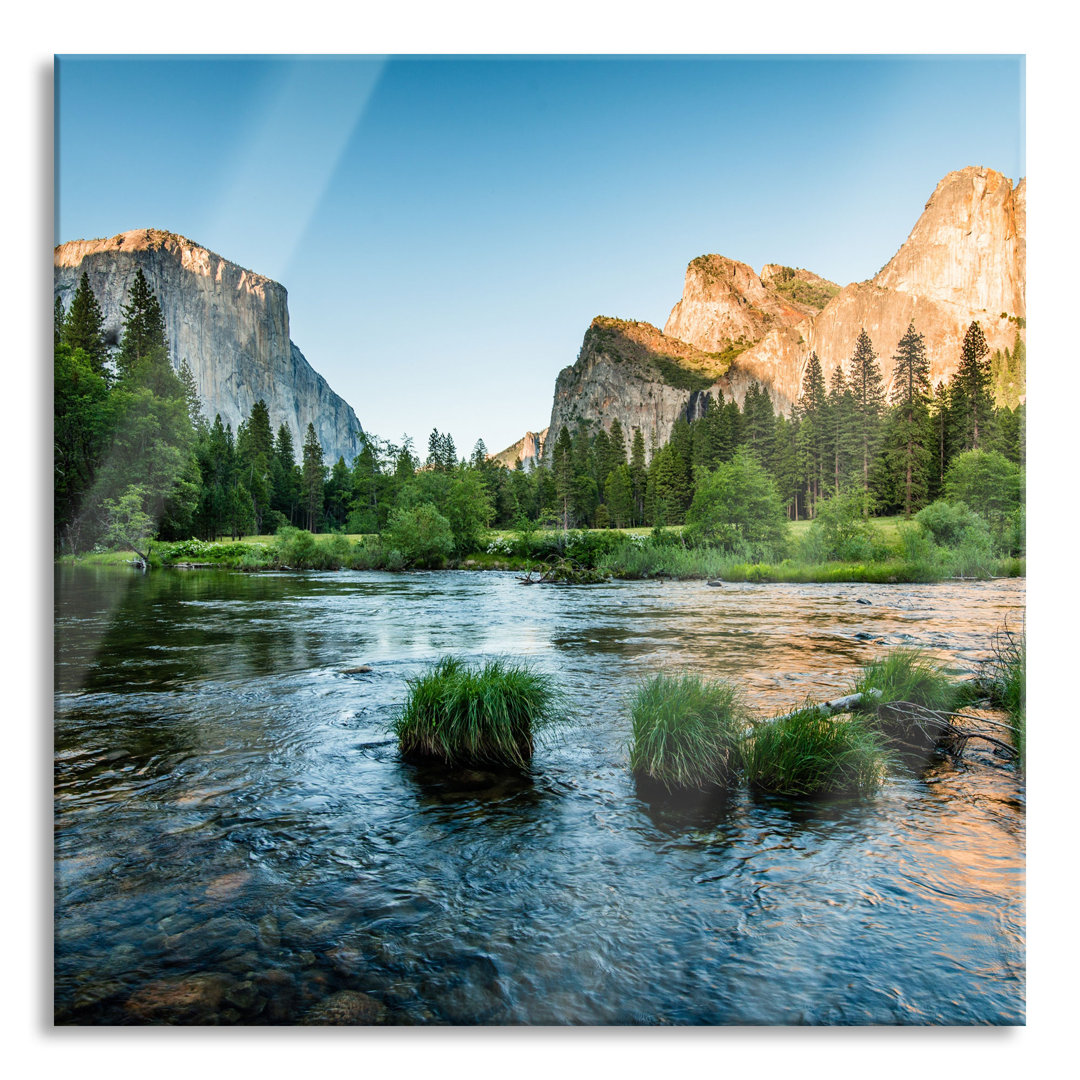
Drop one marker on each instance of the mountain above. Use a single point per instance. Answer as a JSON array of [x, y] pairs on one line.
[[529, 450], [965, 260], [230, 324]]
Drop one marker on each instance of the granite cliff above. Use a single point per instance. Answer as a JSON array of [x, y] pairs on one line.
[[964, 260], [529, 450], [231, 325]]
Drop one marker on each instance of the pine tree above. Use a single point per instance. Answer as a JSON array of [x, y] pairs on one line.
[[58, 322], [620, 495], [909, 424], [841, 427], [638, 475], [813, 431], [562, 467], [84, 325], [618, 443], [313, 477], [144, 346], [971, 391], [868, 391], [191, 397]]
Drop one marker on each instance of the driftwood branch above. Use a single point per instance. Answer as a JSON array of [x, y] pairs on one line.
[[837, 705], [912, 727]]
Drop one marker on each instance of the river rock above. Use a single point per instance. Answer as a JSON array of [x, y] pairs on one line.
[[346, 1007], [360, 669], [190, 999], [862, 600], [268, 933]]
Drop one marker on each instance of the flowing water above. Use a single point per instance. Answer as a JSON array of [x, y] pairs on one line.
[[237, 841]]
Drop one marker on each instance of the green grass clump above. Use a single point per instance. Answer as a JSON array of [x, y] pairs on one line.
[[907, 675], [687, 732], [1007, 683], [808, 754], [476, 715]]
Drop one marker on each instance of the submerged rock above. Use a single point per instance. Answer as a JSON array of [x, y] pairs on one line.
[[191, 999], [346, 1007]]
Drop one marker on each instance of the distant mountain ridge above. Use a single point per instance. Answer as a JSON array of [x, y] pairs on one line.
[[965, 260], [230, 324]]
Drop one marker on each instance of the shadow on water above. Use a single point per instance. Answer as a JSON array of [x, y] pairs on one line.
[[675, 812], [492, 791]]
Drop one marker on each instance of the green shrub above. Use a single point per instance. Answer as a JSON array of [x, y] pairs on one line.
[[807, 754], [737, 503], [687, 732], [476, 715], [952, 523], [421, 535], [842, 530]]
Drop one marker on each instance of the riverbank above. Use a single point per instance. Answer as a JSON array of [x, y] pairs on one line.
[[625, 554]]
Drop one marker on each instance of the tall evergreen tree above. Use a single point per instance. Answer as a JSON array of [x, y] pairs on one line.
[[313, 477], [58, 322], [84, 325], [868, 391], [562, 467], [841, 428], [813, 430], [638, 475], [618, 443], [971, 391], [144, 344], [285, 476], [909, 424]]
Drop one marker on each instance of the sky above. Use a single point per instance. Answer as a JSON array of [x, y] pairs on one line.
[[447, 227]]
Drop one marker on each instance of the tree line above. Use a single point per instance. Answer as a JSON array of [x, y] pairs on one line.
[[895, 448], [135, 456]]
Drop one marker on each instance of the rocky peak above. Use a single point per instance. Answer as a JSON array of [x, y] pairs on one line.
[[633, 372], [529, 450], [230, 324], [968, 246], [725, 303], [964, 260]]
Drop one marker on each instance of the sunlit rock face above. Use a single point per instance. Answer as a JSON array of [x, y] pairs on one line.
[[965, 260], [529, 450], [632, 372], [724, 302], [231, 325]]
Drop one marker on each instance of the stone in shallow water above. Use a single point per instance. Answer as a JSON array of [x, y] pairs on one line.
[[346, 1007], [191, 999]]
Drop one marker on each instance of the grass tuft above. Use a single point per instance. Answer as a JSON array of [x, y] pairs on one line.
[[687, 732], [1007, 683], [907, 675], [805, 753], [484, 714]]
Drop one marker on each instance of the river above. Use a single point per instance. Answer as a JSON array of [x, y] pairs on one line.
[[237, 841]]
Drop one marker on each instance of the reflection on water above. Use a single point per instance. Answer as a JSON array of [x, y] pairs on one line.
[[238, 842]]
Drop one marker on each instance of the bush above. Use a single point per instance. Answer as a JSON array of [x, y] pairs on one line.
[[464, 715], [421, 536], [738, 503], [808, 754], [841, 530], [950, 523], [687, 733], [986, 481]]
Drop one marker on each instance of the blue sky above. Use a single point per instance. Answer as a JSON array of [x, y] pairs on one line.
[[446, 227]]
